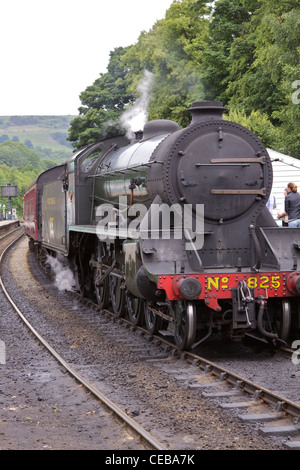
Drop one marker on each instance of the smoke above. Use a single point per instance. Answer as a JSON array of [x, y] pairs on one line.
[[136, 116], [64, 278]]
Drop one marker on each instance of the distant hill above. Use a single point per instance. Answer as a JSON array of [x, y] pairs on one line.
[[47, 135]]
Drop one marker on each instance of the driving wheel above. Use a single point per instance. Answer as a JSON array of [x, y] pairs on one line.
[[185, 324]]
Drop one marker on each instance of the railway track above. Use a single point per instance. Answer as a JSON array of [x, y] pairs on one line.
[[197, 378], [277, 415], [7, 233], [149, 441]]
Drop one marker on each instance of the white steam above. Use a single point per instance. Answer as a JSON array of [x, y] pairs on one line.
[[136, 116], [64, 278]]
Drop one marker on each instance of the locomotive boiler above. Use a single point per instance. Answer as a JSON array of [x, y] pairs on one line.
[[171, 228]]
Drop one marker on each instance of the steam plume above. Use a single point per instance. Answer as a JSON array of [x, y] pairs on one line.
[[64, 279], [136, 116]]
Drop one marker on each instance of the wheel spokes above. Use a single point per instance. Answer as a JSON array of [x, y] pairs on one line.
[[152, 320], [286, 320], [185, 324], [101, 286], [117, 296], [135, 309]]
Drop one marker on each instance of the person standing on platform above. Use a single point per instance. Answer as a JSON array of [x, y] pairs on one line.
[[292, 206]]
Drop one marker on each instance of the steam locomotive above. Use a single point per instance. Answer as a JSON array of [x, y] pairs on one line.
[[171, 229]]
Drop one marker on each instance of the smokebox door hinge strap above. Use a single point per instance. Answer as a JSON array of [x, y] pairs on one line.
[[261, 192], [261, 160]]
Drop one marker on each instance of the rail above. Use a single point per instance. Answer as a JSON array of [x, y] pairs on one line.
[[97, 393]]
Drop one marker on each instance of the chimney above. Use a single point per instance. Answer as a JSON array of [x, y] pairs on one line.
[[206, 110]]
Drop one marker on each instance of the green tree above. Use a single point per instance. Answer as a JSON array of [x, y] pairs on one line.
[[22, 177], [258, 123], [242, 52], [20, 166], [102, 103], [255, 83], [228, 33], [171, 51], [253, 62], [15, 154], [279, 56]]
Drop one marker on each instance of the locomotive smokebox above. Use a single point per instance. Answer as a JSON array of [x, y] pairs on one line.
[[206, 110]]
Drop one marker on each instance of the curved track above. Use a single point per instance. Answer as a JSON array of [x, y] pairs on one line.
[[202, 374], [147, 438]]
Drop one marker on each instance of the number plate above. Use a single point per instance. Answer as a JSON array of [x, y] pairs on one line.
[[221, 285]]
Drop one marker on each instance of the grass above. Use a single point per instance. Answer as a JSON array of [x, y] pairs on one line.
[[39, 130]]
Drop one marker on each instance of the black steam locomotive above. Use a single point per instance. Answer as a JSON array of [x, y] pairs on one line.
[[171, 228]]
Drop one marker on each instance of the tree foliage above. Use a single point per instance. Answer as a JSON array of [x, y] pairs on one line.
[[19, 166], [102, 103], [242, 52], [245, 53]]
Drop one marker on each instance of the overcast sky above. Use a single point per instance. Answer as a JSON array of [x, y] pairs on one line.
[[52, 50]]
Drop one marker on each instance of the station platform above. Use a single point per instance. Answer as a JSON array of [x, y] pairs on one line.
[[8, 222], [8, 225]]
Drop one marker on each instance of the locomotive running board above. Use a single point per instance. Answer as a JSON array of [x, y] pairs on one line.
[[83, 228], [104, 234]]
